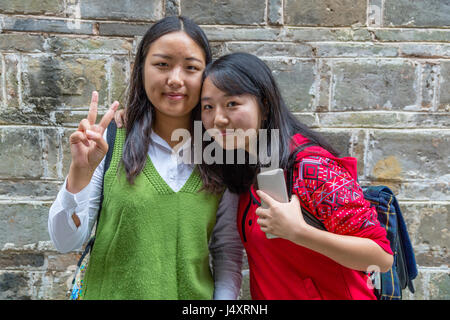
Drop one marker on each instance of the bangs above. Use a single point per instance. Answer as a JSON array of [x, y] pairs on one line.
[[231, 82]]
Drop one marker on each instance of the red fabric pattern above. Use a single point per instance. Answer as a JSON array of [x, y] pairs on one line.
[[329, 191]]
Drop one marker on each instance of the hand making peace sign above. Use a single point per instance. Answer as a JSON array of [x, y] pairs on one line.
[[87, 145]]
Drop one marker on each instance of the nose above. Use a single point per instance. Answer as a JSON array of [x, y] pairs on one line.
[[175, 79], [220, 118]]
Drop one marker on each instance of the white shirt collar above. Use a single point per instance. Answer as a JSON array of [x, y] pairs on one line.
[[163, 143]]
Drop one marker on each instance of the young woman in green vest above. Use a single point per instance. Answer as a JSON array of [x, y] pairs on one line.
[[157, 226]]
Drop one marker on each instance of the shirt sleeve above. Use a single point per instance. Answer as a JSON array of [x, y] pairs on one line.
[[85, 204], [327, 190], [226, 250]]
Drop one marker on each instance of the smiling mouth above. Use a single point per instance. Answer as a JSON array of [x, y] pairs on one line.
[[227, 132], [175, 96]]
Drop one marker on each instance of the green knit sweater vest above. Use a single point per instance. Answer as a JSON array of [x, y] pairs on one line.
[[151, 242]]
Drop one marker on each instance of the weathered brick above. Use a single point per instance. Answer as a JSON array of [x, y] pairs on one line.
[[21, 42], [172, 7], [97, 45], [52, 81], [120, 77], [15, 285], [53, 7], [430, 13], [384, 120], [325, 34], [226, 33], [270, 49], [399, 155], [327, 50], [322, 85], [439, 288], [357, 149], [428, 228], [358, 119], [224, 12], [348, 143], [54, 285], [339, 139], [123, 29], [60, 262], [295, 79], [444, 81], [20, 189], [425, 50], [22, 223], [16, 260], [324, 13], [375, 13], [275, 12], [423, 190], [429, 85], [31, 152], [54, 151], [417, 35], [308, 119], [430, 284], [118, 10], [382, 85], [12, 99], [217, 49], [21, 154], [15, 23], [69, 116], [2, 107]]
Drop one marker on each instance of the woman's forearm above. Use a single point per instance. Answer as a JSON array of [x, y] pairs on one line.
[[352, 252]]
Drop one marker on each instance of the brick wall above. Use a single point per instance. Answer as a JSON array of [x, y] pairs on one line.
[[373, 75]]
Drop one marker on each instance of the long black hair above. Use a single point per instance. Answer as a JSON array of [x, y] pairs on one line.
[[139, 109], [243, 73]]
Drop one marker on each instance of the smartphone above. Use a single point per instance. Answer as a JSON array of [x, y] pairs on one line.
[[273, 183]]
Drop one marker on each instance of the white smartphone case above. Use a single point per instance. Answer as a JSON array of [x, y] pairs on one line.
[[273, 183]]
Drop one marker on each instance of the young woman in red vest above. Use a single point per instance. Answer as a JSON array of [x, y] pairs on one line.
[[239, 92]]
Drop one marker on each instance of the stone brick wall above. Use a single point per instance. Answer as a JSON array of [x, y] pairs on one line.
[[373, 75]]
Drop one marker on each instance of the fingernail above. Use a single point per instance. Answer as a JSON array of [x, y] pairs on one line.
[[89, 133]]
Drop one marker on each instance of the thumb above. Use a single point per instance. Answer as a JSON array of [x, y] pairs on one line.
[[295, 199]]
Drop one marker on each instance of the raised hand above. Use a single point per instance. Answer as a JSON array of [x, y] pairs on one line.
[[87, 146]]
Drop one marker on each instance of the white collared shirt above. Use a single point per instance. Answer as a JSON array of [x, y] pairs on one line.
[[225, 246]]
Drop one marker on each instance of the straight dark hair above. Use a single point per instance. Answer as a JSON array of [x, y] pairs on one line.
[[140, 110], [243, 73]]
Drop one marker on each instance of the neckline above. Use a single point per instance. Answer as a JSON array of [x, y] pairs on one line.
[[161, 185]]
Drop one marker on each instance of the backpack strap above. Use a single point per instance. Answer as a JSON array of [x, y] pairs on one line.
[[308, 216], [110, 138]]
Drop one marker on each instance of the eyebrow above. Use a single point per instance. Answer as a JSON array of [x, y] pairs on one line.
[[226, 95], [169, 57]]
